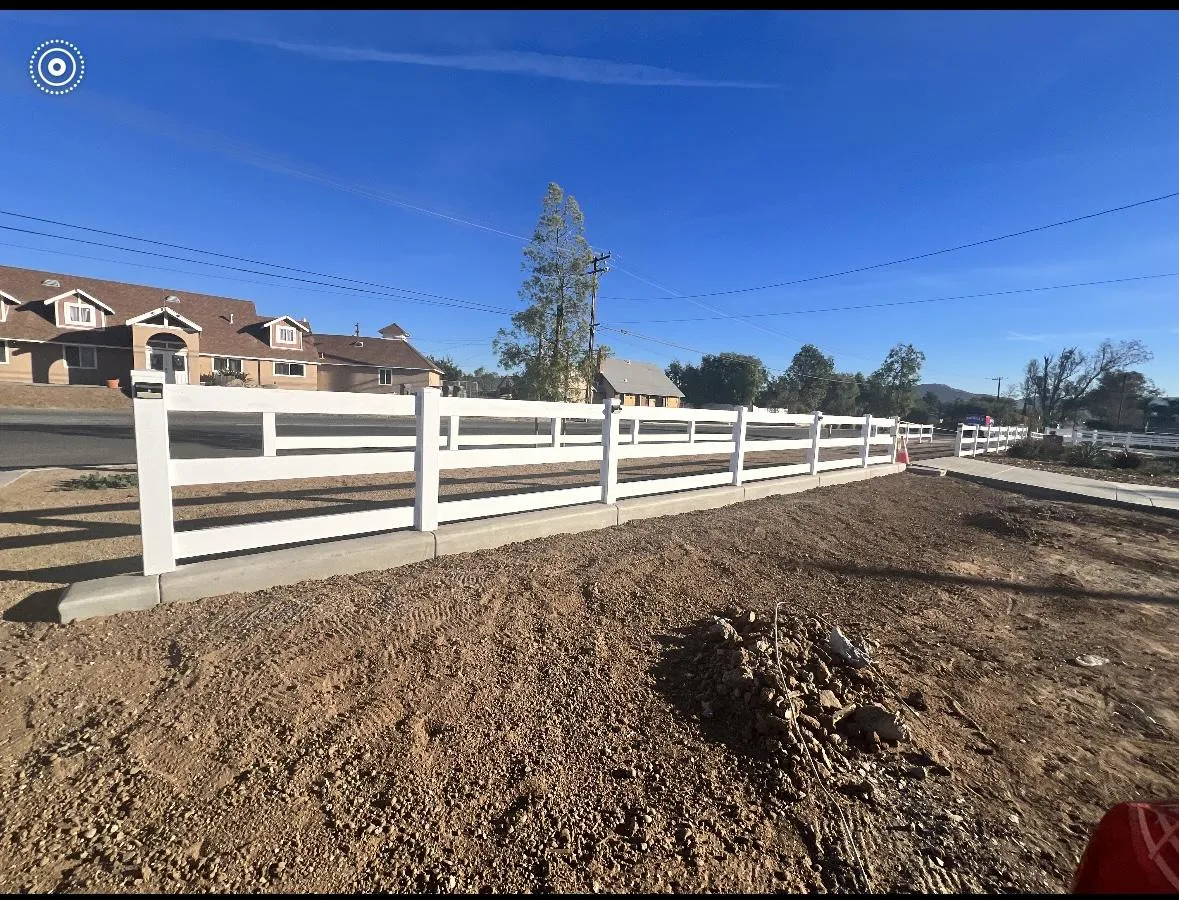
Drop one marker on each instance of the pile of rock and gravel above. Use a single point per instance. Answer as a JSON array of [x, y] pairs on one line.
[[815, 705]]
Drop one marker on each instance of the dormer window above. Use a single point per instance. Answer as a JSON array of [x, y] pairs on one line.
[[79, 315], [286, 335], [78, 309]]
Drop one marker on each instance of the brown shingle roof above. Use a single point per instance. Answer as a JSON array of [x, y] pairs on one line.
[[393, 354], [32, 320]]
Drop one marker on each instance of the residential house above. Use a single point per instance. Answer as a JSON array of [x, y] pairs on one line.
[[71, 329], [637, 383], [387, 364]]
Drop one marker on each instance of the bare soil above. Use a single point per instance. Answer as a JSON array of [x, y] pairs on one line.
[[61, 396], [535, 717], [1155, 472]]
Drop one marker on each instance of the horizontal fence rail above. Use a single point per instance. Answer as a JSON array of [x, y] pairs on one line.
[[453, 433], [1125, 440], [972, 440]]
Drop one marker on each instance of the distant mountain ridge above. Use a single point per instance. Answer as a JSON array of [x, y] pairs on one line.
[[945, 393]]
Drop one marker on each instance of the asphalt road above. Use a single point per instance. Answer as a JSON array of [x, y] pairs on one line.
[[34, 438], [31, 438]]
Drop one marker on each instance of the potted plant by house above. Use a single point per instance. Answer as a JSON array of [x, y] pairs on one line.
[[112, 383]]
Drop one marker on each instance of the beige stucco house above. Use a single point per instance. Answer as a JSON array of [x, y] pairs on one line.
[[71, 329]]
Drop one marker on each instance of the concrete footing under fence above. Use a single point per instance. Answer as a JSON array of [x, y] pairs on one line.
[[272, 568]]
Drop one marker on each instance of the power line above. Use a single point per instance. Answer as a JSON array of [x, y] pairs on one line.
[[245, 259], [647, 337], [443, 301], [914, 258], [803, 312]]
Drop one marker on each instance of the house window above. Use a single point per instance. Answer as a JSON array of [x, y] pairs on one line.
[[293, 370], [386, 377], [81, 357], [227, 364], [79, 314], [286, 335]]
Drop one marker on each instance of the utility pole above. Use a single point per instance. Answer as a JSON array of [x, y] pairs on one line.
[[593, 328], [1121, 400], [998, 386]]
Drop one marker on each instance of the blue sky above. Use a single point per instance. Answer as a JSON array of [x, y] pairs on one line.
[[709, 151]]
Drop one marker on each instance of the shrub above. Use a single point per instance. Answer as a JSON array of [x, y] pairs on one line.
[[1086, 454], [1126, 459], [1030, 449], [1024, 449], [96, 480]]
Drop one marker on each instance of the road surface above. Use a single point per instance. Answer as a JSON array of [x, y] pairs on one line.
[[31, 438]]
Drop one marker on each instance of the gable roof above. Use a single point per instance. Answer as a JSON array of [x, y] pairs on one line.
[[296, 322], [362, 351], [627, 376], [78, 292], [164, 311], [393, 331], [245, 336]]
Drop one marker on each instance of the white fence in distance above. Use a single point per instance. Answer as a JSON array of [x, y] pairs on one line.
[[1125, 440], [433, 449], [974, 439], [916, 434]]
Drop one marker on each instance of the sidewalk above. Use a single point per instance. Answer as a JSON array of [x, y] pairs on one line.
[[1063, 487]]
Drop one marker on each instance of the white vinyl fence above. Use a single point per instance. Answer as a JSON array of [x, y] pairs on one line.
[[1127, 440], [916, 434], [432, 450], [974, 439]]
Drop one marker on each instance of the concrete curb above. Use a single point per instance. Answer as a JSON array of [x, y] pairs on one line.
[[685, 501], [104, 596], [351, 556], [485, 534], [290, 565], [7, 478], [1129, 501]]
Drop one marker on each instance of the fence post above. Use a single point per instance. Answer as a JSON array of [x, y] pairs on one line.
[[958, 439], [609, 471], [634, 431], [152, 459], [452, 432], [269, 435], [692, 431], [737, 460], [816, 436], [556, 429], [868, 440], [426, 458], [974, 443]]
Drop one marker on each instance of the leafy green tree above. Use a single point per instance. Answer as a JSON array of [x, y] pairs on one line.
[[548, 340], [843, 394], [892, 388], [803, 386], [451, 371], [724, 378], [1119, 400], [927, 410]]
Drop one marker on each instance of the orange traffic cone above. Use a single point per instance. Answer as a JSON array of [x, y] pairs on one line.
[[903, 451]]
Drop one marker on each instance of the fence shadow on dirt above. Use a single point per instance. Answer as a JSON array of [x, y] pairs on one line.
[[890, 573]]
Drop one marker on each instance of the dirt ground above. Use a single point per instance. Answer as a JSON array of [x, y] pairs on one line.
[[531, 718], [1154, 472], [61, 396]]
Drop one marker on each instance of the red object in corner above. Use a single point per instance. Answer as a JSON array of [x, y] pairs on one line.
[[1135, 850]]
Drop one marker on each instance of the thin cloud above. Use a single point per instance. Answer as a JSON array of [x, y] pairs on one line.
[[1058, 336], [519, 62]]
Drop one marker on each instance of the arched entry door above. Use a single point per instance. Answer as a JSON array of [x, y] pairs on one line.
[[169, 355]]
